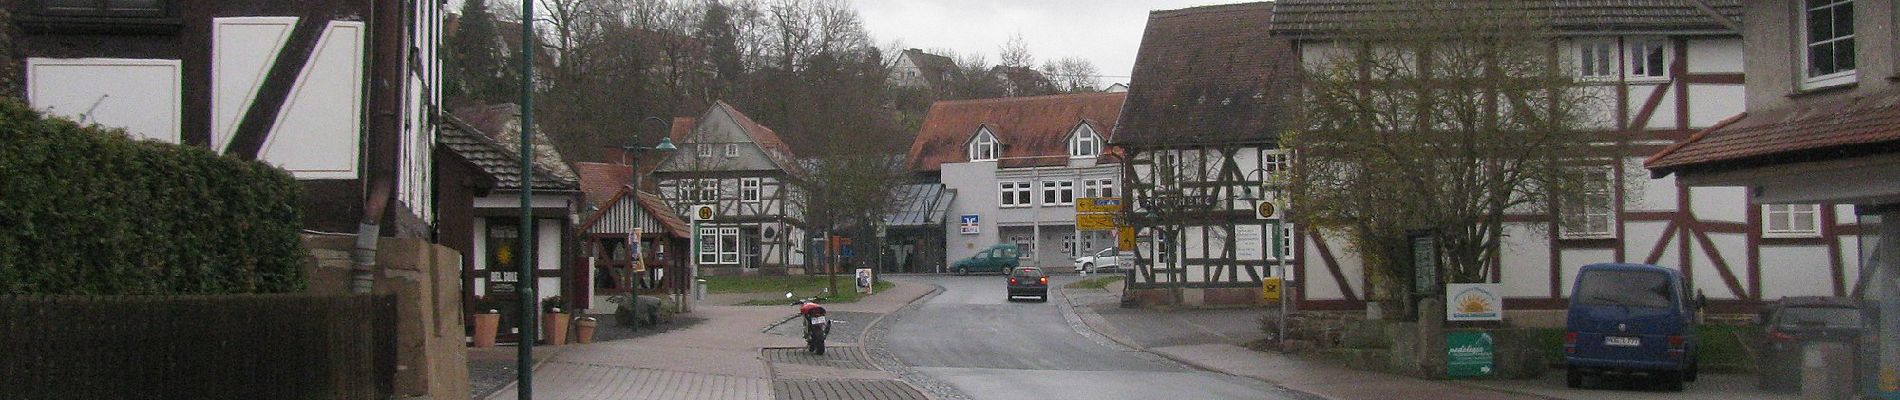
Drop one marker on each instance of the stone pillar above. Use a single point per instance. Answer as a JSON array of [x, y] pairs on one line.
[[1431, 337], [1885, 291]]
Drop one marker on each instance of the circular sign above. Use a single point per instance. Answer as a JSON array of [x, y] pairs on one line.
[[1264, 210], [705, 213]]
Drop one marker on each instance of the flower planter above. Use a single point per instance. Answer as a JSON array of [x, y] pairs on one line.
[[554, 327], [485, 326], [584, 330]]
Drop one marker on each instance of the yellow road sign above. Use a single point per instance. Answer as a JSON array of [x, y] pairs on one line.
[[1098, 205], [1095, 222], [1270, 289], [1125, 238]]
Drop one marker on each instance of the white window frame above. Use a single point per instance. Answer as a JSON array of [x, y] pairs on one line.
[[729, 256], [1015, 194], [1085, 143], [1807, 43], [1597, 59], [1287, 249], [1069, 246], [749, 189], [1602, 214], [984, 147], [1098, 188], [1639, 48], [1058, 193], [1790, 215], [705, 150], [706, 189], [708, 245], [732, 150]]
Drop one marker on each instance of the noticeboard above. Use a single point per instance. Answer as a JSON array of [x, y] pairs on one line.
[[1468, 354], [1424, 263]]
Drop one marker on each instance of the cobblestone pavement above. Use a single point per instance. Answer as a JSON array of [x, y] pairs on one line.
[[878, 349], [846, 327], [844, 390], [835, 356]]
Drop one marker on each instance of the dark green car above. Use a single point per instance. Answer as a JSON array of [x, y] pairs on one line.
[[1000, 258]]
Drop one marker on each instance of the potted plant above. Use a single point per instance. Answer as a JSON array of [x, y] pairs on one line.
[[485, 324], [554, 321], [584, 329]]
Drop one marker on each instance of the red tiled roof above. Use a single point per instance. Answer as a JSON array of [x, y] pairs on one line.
[[1325, 17], [1851, 123], [1209, 75], [1027, 126], [600, 182]]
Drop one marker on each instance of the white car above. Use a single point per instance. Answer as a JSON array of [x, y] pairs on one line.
[[1107, 259]]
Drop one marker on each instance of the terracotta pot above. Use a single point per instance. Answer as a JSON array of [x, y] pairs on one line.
[[554, 328], [584, 330], [485, 326]]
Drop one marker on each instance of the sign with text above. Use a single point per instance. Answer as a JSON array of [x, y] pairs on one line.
[[1474, 302], [1468, 354], [968, 224], [1095, 222], [1098, 205], [1248, 242], [1424, 264], [1125, 238]]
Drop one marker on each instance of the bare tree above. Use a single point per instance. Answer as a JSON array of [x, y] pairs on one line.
[[1073, 74], [1440, 117], [1015, 53]]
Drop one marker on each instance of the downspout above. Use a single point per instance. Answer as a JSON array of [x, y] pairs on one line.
[[380, 139]]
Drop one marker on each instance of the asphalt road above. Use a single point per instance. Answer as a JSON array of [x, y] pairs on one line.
[[970, 337]]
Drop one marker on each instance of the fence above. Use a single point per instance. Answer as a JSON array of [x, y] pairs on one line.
[[277, 346]]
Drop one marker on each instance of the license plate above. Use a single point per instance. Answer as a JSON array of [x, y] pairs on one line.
[[1622, 341], [818, 320]]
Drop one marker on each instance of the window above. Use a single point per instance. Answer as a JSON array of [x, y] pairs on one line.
[[728, 245], [983, 148], [1649, 58], [1277, 163], [708, 251], [749, 189], [1099, 188], [718, 245], [1058, 193], [1086, 143], [705, 150], [1167, 166], [732, 150], [706, 190], [1593, 214], [1791, 220], [1287, 251], [1596, 59], [101, 8], [1024, 245], [1015, 194], [1828, 49], [1068, 246]]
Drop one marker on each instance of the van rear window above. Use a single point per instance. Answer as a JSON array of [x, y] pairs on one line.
[[1625, 288]]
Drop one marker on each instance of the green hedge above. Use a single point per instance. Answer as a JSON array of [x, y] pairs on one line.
[[87, 210]]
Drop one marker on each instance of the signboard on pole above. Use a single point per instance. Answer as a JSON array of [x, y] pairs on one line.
[[1270, 289], [1474, 302], [968, 224], [1095, 222], [1248, 244], [1424, 263], [1098, 205], [703, 212], [1125, 238], [1468, 354]]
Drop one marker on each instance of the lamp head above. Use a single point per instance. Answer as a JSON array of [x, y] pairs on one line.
[[666, 144]]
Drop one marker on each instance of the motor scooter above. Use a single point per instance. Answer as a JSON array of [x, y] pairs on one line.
[[817, 325]]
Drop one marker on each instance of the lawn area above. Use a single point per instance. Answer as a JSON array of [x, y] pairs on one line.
[[1093, 283], [1722, 347], [800, 286]]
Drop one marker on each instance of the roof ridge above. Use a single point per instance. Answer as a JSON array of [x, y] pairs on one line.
[[1207, 9], [1028, 98]]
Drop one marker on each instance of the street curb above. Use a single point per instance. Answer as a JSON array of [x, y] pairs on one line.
[[517, 382], [870, 329], [1124, 341]]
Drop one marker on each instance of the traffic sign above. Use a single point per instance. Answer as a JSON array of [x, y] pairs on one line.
[[1095, 222], [703, 213], [1270, 289], [1125, 238], [1265, 210], [1098, 205]]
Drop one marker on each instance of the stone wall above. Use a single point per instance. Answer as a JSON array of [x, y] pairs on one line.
[[432, 358]]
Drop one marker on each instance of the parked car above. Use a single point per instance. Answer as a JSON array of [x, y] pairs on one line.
[[1630, 319], [1107, 259], [1000, 258], [1028, 281], [1790, 323]]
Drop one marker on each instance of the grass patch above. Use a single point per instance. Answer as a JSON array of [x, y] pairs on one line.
[[1093, 283], [1722, 347], [801, 286]]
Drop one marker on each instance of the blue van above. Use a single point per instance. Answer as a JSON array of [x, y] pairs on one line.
[[1629, 319]]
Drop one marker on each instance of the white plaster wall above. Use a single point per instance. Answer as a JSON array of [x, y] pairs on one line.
[[243, 49], [140, 95], [1719, 203], [1575, 259], [1850, 261], [1715, 55], [548, 245], [1524, 251], [1710, 104], [317, 135], [1794, 271], [1319, 284], [1707, 278], [480, 255], [1640, 237], [1655, 194], [1665, 115]]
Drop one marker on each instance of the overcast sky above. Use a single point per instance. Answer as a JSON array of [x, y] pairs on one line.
[[1107, 32]]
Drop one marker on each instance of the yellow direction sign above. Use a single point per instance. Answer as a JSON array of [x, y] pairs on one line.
[[1270, 289], [1098, 205], [1125, 238], [1095, 222]]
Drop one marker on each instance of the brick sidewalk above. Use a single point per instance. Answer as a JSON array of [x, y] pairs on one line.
[[718, 358]]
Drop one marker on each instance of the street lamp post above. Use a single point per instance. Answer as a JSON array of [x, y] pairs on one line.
[[524, 284], [1279, 263], [632, 156]]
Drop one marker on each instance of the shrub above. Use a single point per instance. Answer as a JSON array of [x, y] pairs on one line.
[[87, 210]]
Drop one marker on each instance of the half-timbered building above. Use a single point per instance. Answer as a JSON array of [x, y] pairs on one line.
[[620, 215], [1663, 70], [1016, 167], [1206, 104], [283, 82], [751, 178]]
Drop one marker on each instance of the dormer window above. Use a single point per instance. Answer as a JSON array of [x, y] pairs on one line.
[[1085, 143], [983, 148]]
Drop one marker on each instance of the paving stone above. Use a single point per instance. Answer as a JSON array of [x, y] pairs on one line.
[[843, 390], [835, 357]]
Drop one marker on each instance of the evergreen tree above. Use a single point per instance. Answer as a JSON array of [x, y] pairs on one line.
[[476, 69]]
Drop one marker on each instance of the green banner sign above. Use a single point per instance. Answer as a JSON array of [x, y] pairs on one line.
[[1468, 354]]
